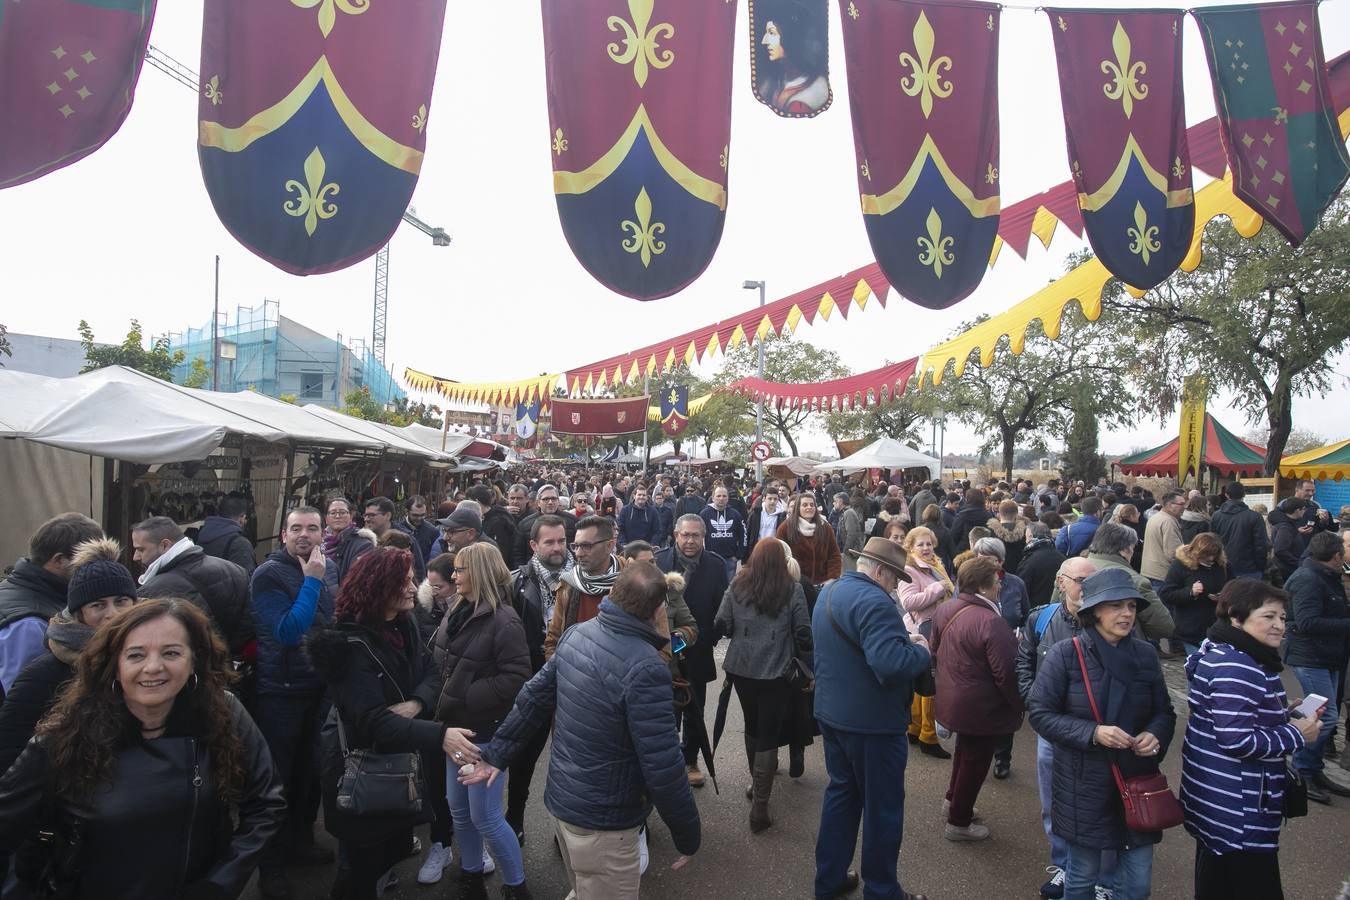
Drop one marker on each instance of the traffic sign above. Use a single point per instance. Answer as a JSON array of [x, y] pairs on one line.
[[761, 450]]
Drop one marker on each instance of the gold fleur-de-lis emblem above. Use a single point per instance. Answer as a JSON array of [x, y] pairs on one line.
[[866, 170], [925, 80], [990, 174], [1143, 237], [1124, 85], [1063, 26], [989, 22], [1178, 168], [559, 142], [212, 91], [641, 46], [936, 250], [313, 199], [419, 119], [722, 160], [853, 11], [642, 233], [328, 10], [1281, 115], [1077, 170]]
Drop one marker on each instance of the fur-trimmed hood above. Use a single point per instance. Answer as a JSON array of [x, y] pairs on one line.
[[1009, 532], [1190, 562], [674, 587], [424, 598]]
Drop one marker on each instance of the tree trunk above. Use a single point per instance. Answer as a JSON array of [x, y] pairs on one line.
[[1009, 439], [787, 436], [677, 442], [1279, 415]]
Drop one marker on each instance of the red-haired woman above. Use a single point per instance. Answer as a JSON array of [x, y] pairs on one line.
[[383, 688], [764, 614]]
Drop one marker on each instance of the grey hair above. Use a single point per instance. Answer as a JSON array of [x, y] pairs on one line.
[[990, 546], [691, 517], [1039, 531], [1113, 538]]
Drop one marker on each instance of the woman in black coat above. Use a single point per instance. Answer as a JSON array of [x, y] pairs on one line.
[[1138, 723], [383, 689], [1192, 587], [153, 777]]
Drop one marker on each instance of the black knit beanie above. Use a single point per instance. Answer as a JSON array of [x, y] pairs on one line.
[[97, 574]]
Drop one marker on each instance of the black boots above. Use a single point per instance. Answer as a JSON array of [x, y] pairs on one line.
[[796, 761], [766, 767], [471, 886], [516, 892]]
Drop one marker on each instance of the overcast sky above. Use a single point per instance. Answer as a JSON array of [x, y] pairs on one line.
[[130, 232]]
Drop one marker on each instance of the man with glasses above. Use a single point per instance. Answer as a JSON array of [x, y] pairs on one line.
[[691, 501], [1046, 626], [416, 526], [705, 581], [380, 518], [549, 504], [462, 527], [582, 587], [1162, 537]]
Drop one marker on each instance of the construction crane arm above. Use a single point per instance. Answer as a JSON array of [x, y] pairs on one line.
[[438, 236]]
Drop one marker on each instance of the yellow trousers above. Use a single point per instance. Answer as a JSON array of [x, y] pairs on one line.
[[921, 720]]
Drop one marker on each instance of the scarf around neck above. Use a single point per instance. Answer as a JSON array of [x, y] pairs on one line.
[[1267, 657], [806, 529], [593, 585]]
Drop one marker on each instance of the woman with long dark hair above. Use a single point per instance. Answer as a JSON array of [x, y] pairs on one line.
[[141, 768], [764, 614], [809, 536], [383, 689]]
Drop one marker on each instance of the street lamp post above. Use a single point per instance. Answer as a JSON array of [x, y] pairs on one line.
[[759, 406]]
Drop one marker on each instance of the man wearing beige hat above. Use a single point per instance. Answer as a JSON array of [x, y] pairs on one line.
[[866, 664]]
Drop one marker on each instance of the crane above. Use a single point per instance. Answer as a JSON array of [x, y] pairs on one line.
[[439, 238]]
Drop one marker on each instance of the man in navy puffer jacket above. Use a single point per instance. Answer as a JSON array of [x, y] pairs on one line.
[[615, 750]]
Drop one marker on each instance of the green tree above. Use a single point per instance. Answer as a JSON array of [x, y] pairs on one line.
[[157, 360], [407, 412], [787, 361], [1300, 440], [724, 418], [198, 376], [1081, 459], [359, 404], [899, 418], [1264, 321]]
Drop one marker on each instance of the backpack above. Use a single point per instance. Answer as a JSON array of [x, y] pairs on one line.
[[1043, 620]]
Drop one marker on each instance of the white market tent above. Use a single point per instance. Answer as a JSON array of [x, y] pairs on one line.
[[797, 465], [885, 453]]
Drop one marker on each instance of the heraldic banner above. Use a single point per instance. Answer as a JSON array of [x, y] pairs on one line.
[[68, 71], [639, 99], [599, 417], [1275, 110], [313, 117], [675, 410], [1125, 120], [790, 56], [923, 87], [527, 420]]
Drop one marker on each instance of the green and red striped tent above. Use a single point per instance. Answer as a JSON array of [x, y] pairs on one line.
[[1331, 462], [1222, 452]]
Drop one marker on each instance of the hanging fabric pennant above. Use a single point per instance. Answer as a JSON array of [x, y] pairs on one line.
[[1275, 110], [790, 56], [313, 122], [675, 410], [68, 72], [923, 88], [599, 417], [1125, 120], [527, 420], [639, 98]]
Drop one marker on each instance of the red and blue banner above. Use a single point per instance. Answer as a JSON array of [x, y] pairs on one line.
[[599, 417], [1120, 81], [68, 72], [923, 88], [1275, 110], [313, 117], [639, 99], [675, 410]]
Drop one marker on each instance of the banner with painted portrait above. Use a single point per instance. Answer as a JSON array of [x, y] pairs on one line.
[[790, 56]]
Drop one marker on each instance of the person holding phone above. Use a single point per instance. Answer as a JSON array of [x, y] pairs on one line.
[[1240, 730]]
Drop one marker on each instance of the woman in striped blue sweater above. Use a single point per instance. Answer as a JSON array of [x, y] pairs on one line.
[[1233, 755]]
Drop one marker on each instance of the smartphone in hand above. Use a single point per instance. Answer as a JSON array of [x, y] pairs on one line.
[[677, 643], [1309, 707]]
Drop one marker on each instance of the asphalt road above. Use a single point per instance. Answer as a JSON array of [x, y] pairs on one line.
[[1315, 851]]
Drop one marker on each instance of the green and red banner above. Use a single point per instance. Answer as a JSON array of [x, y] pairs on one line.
[[639, 105], [923, 89], [599, 417], [1120, 80], [68, 72], [1275, 110]]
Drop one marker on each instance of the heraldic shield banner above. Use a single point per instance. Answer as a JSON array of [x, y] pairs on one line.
[[923, 87], [639, 99], [1120, 80], [599, 417], [675, 410], [68, 72], [313, 118]]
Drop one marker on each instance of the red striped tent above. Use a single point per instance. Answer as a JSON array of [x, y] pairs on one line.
[[1223, 453]]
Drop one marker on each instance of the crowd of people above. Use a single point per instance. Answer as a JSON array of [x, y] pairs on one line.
[[397, 665]]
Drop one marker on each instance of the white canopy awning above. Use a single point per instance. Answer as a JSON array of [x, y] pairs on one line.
[[885, 453], [797, 465]]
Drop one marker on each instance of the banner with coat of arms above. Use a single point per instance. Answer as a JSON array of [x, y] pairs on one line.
[[639, 99], [68, 72], [923, 89], [313, 117], [675, 410], [1120, 80], [527, 420], [599, 417]]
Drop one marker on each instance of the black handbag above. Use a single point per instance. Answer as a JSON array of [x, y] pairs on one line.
[[379, 784], [48, 866], [1295, 792], [799, 674]]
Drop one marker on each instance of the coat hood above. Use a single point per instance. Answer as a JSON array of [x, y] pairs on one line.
[[424, 598], [674, 587], [1279, 517], [1192, 516], [1009, 532], [214, 527], [1231, 508]]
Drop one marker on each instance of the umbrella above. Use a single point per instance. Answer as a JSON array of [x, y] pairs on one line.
[[695, 709]]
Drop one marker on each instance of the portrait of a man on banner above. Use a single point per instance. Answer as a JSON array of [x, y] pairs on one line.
[[790, 62]]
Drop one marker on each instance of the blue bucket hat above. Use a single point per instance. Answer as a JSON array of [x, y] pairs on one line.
[[1110, 584]]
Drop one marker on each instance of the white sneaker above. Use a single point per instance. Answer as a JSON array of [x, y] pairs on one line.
[[488, 865], [1103, 893], [438, 858], [644, 858]]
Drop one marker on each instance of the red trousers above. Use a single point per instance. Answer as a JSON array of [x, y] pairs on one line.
[[970, 766]]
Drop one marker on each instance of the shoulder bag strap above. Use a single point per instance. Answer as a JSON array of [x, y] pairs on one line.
[[835, 625], [342, 732], [1096, 714]]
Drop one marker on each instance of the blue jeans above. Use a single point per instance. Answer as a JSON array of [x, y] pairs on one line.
[[1059, 848], [1191, 649], [1254, 574], [480, 817], [1324, 682], [1133, 880], [867, 783]]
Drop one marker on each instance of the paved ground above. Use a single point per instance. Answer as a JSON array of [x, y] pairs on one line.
[[1315, 858]]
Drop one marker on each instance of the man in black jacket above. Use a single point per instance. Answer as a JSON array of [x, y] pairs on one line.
[[549, 505], [416, 526], [1040, 563], [1243, 534], [222, 535], [499, 526], [178, 568], [380, 518], [973, 513]]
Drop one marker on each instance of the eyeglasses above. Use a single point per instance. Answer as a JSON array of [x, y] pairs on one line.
[[1075, 579], [339, 514], [459, 570], [585, 546]]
